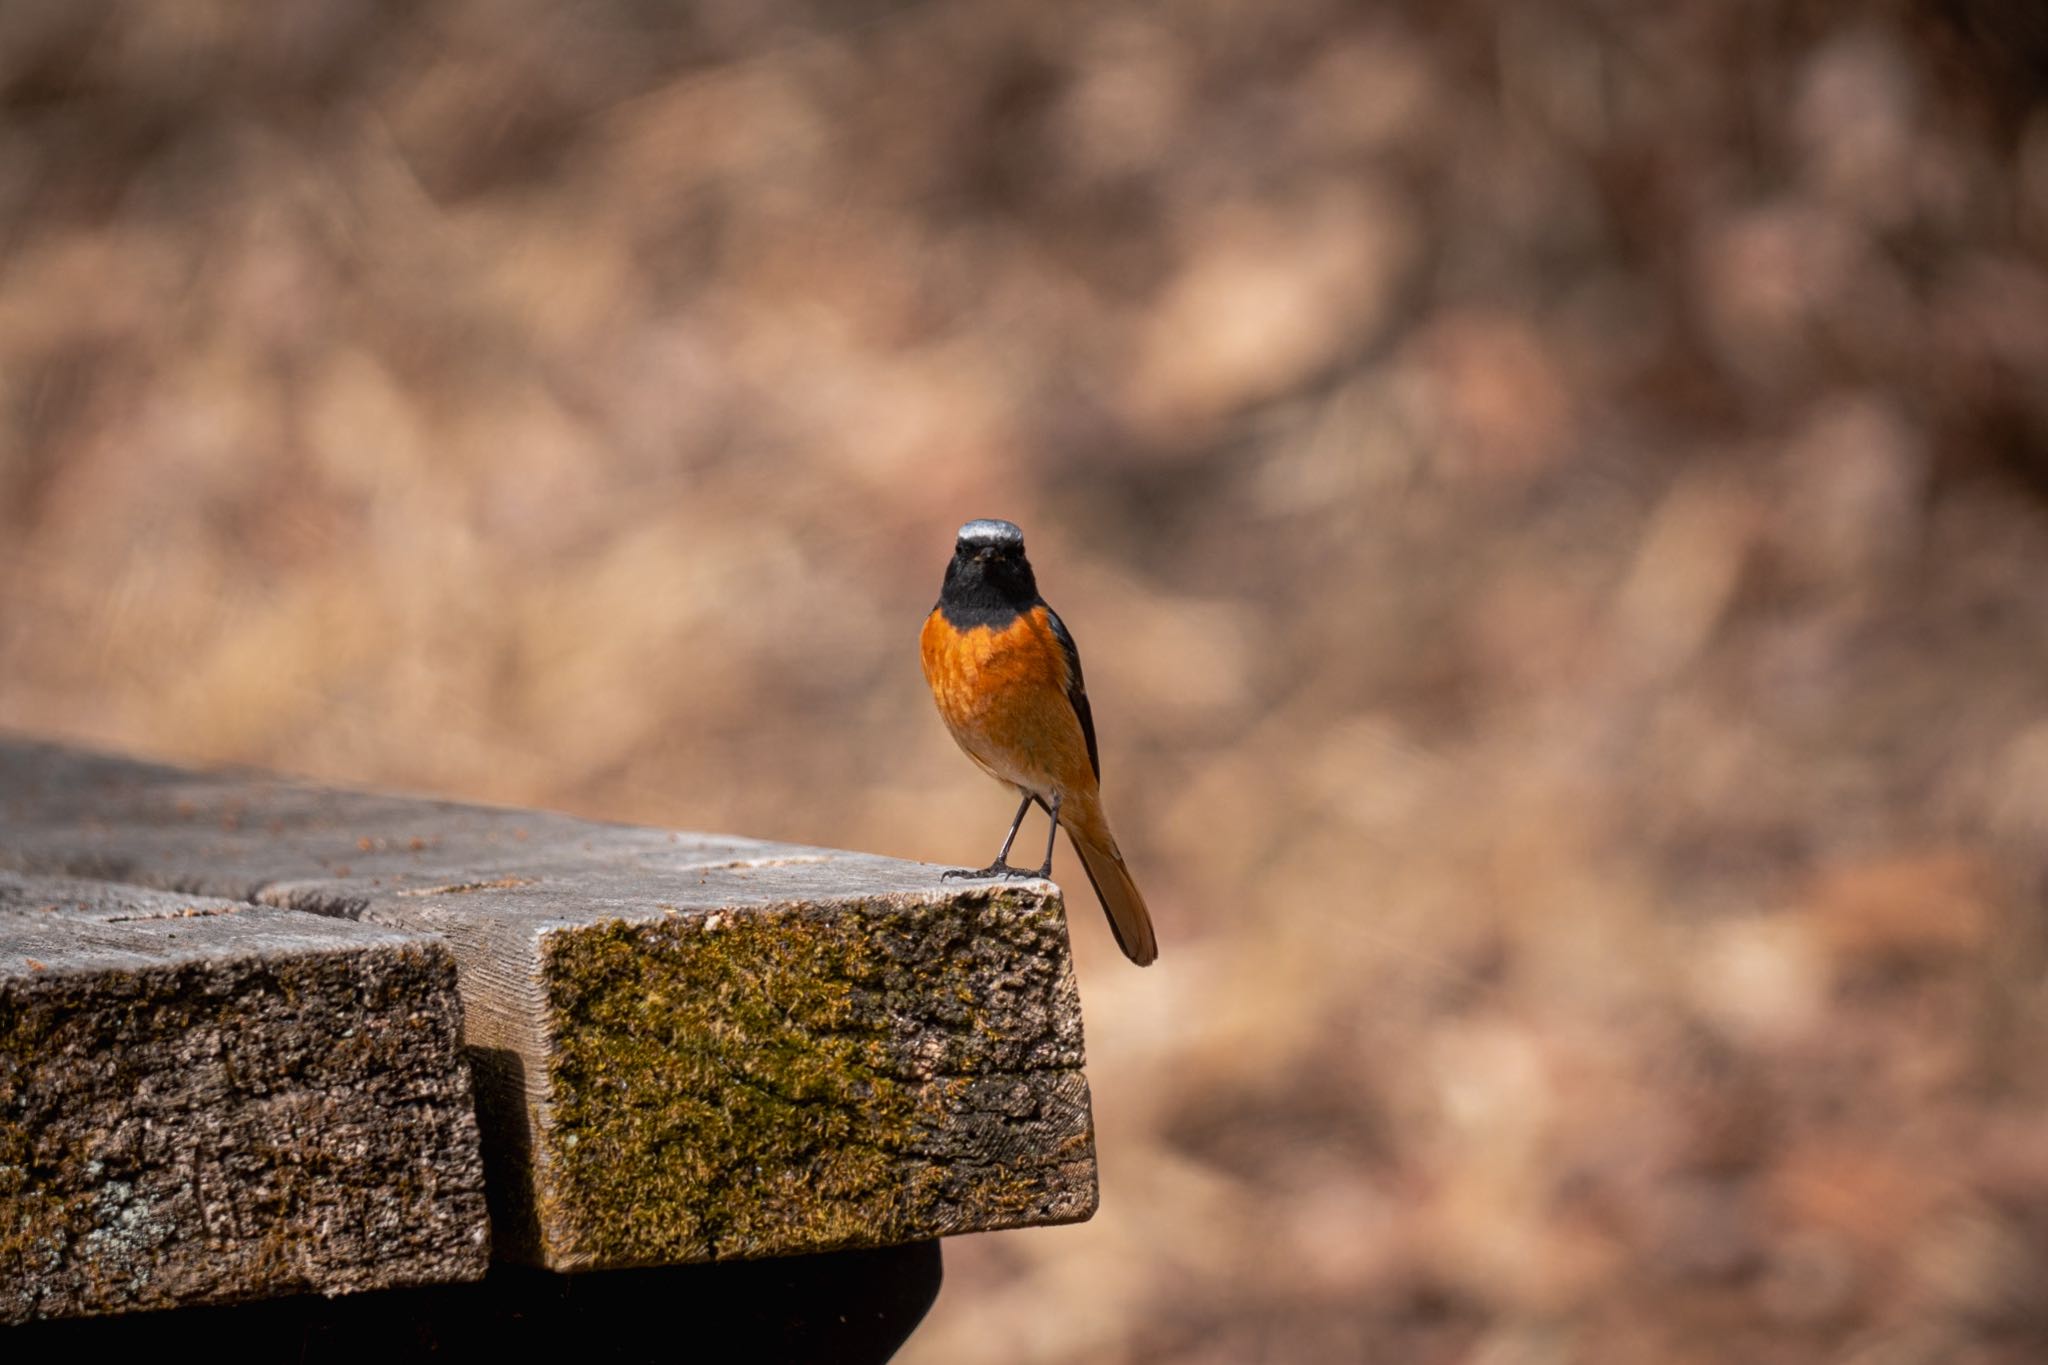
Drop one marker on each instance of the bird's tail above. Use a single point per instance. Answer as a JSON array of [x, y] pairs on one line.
[[1129, 920]]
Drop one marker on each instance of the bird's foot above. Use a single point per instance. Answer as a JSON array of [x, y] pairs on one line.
[[997, 871]]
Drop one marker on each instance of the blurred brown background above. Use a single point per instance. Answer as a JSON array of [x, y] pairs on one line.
[[1553, 501]]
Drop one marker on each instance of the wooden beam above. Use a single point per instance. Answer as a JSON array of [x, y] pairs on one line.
[[205, 1102], [687, 1047]]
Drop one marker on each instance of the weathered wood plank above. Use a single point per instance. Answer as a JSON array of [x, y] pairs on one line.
[[687, 1047], [204, 1102]]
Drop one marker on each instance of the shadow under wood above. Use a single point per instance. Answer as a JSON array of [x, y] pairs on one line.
[[498, 1080], [844, 1307]]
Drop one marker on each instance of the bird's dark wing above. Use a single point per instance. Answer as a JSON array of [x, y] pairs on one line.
[[1077, 691]]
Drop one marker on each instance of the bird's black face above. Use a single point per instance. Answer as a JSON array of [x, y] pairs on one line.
[[989, 573]]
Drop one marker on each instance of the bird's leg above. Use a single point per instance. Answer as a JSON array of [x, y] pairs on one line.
[[1052, 833], [1001, 866]]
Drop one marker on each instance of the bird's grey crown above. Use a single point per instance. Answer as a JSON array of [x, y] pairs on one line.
[[989, 531]]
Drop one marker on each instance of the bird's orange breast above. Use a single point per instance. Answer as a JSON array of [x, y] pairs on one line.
[[1002, 691]]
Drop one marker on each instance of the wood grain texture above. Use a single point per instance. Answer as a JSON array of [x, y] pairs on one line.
[[686, 1047], [206, 1102]]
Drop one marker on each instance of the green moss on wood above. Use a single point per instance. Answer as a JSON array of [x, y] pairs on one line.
[[810, 1077]]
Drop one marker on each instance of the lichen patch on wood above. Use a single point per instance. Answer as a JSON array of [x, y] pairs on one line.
[[845, 1075]]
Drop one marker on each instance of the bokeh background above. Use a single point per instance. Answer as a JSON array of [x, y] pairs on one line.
[[1553, 500]]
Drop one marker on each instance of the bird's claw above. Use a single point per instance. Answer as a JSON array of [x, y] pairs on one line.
[[997, 871]]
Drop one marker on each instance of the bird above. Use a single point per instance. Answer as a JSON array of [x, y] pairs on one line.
[[1007, 679]]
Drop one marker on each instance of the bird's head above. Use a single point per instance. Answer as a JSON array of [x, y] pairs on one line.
[[988, 559]]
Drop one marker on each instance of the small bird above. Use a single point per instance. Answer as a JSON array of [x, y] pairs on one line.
[[1007, 679]]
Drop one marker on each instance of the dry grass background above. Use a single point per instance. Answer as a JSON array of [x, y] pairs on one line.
[[1551, 500]]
